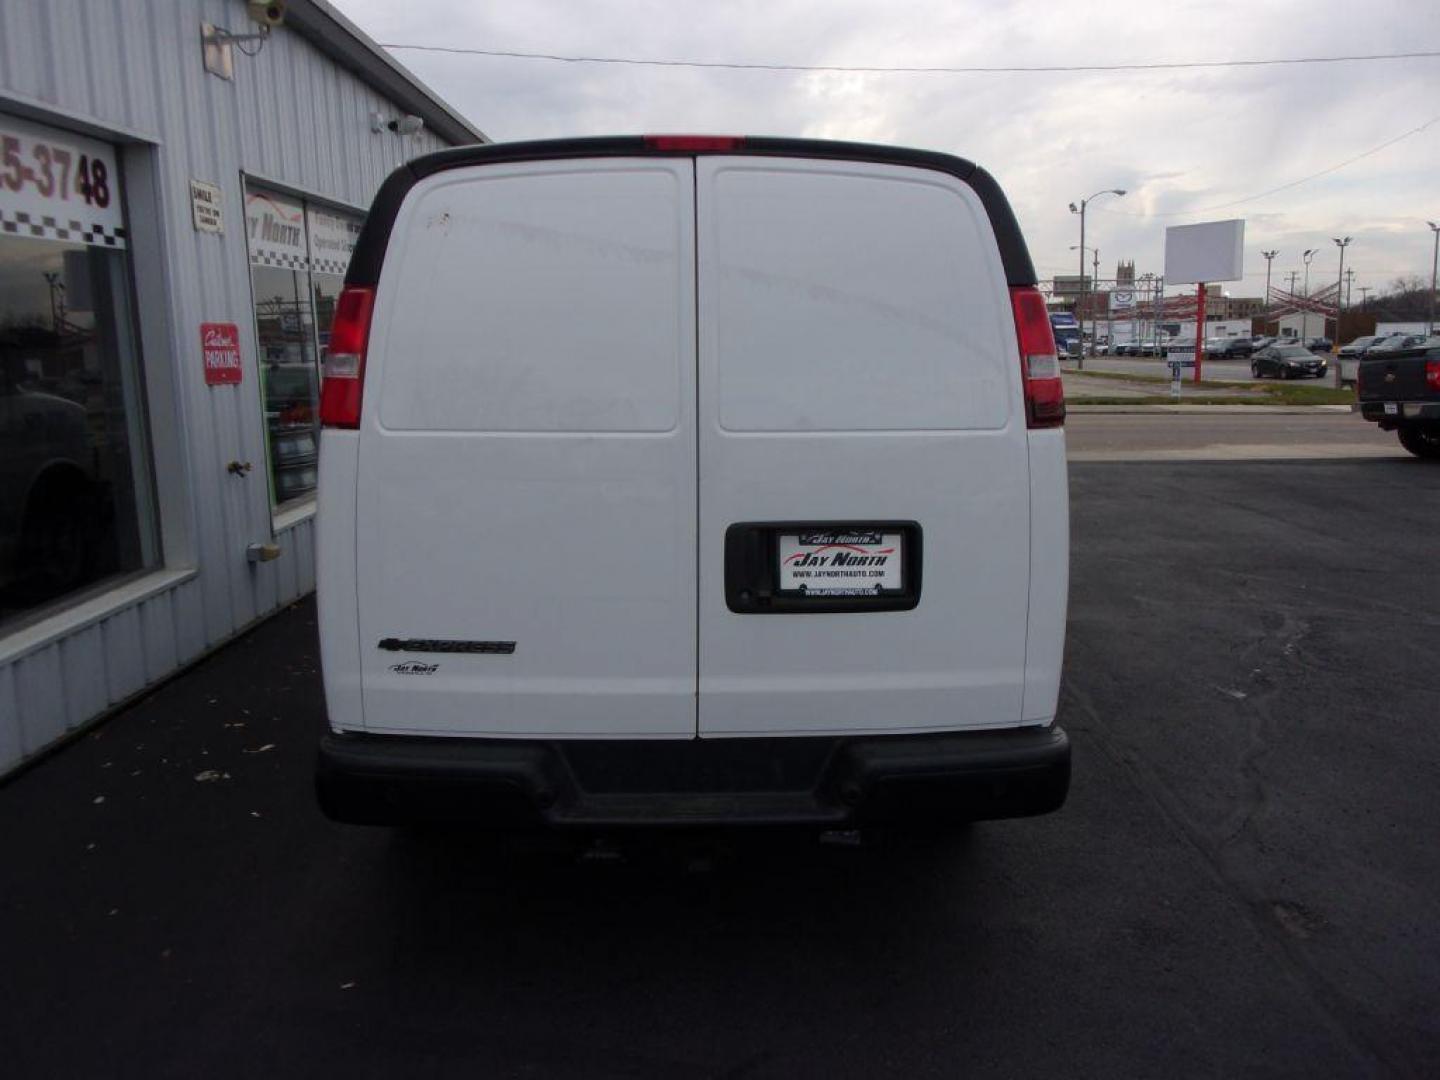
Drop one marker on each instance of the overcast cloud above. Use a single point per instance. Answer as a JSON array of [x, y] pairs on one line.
[[1177, 141]]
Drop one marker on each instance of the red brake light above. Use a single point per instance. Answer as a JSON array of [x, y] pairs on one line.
[[1432, 374], [1039, 364], [694, 142], [344, 372]]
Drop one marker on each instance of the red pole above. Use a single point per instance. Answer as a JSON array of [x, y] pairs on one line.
[[1199, 330]]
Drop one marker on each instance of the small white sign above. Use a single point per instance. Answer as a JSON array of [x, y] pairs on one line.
[[55, 185], [206, 207], [1122, 299], [840, 563]]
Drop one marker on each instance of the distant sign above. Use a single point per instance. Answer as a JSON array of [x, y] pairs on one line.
[[1122, 299], [1209, 251], [220, 344], [206, 209]]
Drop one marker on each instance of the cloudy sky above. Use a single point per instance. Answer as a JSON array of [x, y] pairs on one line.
[[1184, 144]]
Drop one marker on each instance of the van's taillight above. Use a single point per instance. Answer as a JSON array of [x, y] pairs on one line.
[[1432, 374], [694, 142], [1039, 364], [344, 376]]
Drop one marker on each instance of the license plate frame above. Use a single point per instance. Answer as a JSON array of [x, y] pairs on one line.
[[884, 553], [838, 562]]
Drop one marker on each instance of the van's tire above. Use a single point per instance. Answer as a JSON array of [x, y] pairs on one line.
[[1254, 370], [1423, 442]]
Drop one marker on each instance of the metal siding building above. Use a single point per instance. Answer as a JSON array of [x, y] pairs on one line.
[[295, 126]]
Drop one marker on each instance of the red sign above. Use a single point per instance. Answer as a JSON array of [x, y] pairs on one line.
[[220, 342]]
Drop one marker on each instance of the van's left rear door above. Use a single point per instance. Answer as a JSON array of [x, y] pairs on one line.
[[527, 456]]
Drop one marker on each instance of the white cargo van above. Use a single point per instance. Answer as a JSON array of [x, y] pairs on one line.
[[691, 480]]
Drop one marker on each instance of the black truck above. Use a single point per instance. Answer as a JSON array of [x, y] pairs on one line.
[[1400, 391]]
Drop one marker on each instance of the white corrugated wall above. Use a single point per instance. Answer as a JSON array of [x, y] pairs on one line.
[[291, 116]]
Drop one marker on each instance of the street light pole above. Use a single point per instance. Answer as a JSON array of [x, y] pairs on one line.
[[1434, 265], [1342, 243], [1094, 315], [1269, 259], [1080, 305], [1305, 311]]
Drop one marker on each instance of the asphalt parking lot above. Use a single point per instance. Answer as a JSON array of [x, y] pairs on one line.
[[1245, 880]]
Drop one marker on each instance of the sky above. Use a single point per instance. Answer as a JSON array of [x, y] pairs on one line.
[[1183, 144]]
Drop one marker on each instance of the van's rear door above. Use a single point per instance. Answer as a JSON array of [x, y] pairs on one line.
[[527, 455], [859, 394]]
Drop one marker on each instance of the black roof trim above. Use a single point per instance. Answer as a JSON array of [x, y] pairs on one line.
[[369, 252]]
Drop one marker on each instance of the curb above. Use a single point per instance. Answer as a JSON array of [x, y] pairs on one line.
[[1197, 410]]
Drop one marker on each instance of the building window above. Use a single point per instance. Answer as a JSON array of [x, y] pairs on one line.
[[299, 252], [76, 499]]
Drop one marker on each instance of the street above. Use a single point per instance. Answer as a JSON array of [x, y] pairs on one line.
[[1244, 880]]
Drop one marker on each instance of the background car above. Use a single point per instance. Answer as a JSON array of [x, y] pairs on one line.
[[1360, 344], [1394, 343], [1215, 348], [1318, 344], [1287, 362], [1239, 348]]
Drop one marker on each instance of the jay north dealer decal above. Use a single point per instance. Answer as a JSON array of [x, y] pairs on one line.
[[840, 563]]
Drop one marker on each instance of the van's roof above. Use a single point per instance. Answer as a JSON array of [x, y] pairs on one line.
[[369, 252]]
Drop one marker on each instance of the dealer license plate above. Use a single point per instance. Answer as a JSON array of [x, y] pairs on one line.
[[1391, 409], [840, 563]]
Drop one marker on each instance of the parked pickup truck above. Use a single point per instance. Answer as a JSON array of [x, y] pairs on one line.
[[1400, 391]]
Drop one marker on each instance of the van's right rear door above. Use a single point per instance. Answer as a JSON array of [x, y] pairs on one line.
[[859, 390]]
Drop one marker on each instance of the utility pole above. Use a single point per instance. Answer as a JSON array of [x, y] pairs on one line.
[[1292, 276], [1349, 281], [1434, 265], [1305, 310], [1269, 258], [1137, 330], [1364, 297], [1081, 211], [57, 302], [1159, 307], [1342, 243], [1094, 324]]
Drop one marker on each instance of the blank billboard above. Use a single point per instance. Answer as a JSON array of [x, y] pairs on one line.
[[1209, 251]]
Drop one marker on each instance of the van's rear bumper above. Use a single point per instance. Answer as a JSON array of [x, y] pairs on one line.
[[830, 782]]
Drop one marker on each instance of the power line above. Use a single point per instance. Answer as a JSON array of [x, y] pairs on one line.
[[888, 70], [1283, 187]]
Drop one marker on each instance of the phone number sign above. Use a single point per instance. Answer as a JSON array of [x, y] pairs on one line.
[[55, 185]]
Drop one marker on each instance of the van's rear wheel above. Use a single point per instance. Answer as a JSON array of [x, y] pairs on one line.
[[1423, 442]]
